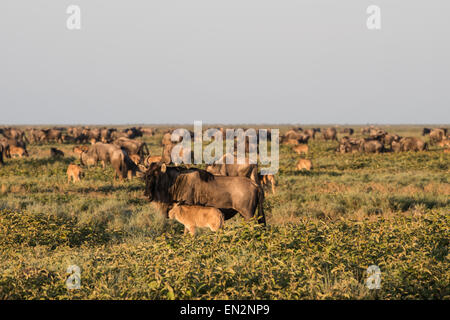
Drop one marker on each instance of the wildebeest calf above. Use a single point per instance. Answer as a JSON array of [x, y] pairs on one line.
[[193, 217], [74, 173]]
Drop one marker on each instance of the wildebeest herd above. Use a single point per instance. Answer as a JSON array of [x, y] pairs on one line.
[[198, 197]]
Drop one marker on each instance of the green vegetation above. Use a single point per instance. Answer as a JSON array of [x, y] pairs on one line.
[[325, 227]]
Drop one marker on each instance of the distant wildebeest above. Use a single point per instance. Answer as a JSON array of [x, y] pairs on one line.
[[436, 135], [350, 131], [388, 139], [52, 135], [348, 145], [409, 144], [265, 179], [301, 148], [371, 146], [304, 164], [74, 173], [221, 167], [108, 153], [426, 131], [330, 134], [55, 153], [193, 217], [133, 146], [169, 185]]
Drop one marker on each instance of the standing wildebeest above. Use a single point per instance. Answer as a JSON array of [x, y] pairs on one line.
[[169, 185], [330, 134], [426, 131]]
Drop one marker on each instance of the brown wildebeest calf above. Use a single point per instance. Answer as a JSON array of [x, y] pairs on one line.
[[304, 164], [193, 217], [18, 151], [74, 172], [301, 148]]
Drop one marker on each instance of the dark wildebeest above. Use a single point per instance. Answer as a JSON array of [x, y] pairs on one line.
[[350, 131], [330, 134], [426, 131], [169, 185]]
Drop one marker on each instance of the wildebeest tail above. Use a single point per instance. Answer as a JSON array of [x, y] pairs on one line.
[[261, 215]]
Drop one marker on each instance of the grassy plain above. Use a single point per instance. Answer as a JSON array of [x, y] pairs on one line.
[[325, 227]]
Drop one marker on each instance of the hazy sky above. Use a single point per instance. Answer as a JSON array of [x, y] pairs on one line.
[[224, 61]]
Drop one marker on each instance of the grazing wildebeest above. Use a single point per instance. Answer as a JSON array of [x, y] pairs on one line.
[[193, 217], [330, 134], [133, 146], [409, 144], [371, 146], [108, 153], [169, 185], [55, 153]]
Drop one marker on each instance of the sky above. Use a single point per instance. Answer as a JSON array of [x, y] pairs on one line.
[[224, 61]]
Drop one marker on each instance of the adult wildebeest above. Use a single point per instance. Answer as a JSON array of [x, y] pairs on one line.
[[436, 135], [330, 134], [170, 185], [133, 146], [409, 144], [109, 153]]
